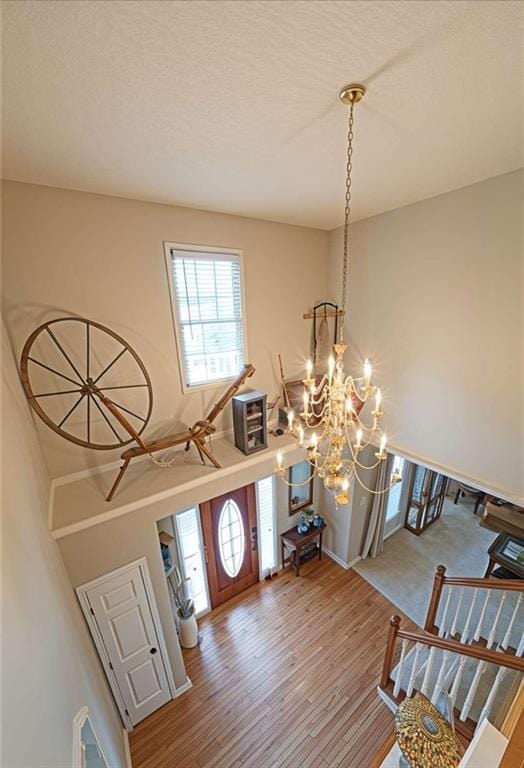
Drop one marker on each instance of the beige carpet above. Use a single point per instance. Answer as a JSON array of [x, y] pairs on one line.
[[404, 571]]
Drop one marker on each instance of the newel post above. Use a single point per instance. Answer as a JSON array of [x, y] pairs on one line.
[[394, 624], [438, 583]]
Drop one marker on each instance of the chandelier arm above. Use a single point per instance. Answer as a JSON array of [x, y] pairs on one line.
[[354, 457], [297, 485], [366, 467], [370, 490], [363, 426]]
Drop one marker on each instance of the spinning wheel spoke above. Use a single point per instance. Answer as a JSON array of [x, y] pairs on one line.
[[131, 413], [62, 350], [110, 365], [60, 392], [87, 358], [111, 427], [122, 386], [70, 411], [57, 373]]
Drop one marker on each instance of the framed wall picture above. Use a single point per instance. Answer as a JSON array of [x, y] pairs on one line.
[[301, 493]]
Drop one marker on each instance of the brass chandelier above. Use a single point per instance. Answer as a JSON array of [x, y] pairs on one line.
[[329, 427]]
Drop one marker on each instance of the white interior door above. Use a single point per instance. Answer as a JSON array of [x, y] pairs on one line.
[[121, 604]]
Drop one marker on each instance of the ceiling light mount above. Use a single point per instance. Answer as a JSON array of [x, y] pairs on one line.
[[352, 93]]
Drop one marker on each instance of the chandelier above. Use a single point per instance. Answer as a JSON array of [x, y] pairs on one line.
[[329, 427]]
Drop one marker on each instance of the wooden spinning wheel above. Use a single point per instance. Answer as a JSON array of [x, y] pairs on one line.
[[72, 370], [80, 376]]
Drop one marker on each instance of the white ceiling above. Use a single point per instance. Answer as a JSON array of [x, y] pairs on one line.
[[233, 106]]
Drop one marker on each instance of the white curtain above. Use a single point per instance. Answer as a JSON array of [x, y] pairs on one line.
[[374, 542]]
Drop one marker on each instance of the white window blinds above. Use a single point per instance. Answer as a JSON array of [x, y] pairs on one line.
[[208, 306], [266, 524]]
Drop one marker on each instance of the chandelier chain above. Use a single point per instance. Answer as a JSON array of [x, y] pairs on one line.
[[347, 211]]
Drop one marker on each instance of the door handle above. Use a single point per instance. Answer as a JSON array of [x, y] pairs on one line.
[[152, 650], [254, 538]]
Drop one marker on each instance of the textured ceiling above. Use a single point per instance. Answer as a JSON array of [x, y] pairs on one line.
[[232, 106]]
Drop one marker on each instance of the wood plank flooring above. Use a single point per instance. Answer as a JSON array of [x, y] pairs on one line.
[[286, 676]]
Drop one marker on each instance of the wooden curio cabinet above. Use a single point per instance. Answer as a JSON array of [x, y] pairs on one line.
[[425, 499], [250, 422]]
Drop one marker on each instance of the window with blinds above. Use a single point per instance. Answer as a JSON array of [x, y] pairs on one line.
[[267, 527], [206, 288]]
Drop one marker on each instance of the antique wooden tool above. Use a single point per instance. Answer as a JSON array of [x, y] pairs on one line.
[[72, 371], [196, 434]]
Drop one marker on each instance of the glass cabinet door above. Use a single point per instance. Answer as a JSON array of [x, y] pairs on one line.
[[425, 500]]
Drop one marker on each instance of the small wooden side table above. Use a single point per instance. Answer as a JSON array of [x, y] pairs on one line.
[[464, 490], [504, 552], [295, 542]]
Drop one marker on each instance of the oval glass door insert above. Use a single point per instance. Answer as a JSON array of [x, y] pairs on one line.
[[231, 538]]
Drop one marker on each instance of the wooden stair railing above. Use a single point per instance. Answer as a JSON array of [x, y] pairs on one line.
[[458, 653], [440, 581]]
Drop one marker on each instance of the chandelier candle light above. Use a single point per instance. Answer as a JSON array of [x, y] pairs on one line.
[[336, 434]]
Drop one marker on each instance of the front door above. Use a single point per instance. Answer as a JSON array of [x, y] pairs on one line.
[[229, 525], [120, 605]]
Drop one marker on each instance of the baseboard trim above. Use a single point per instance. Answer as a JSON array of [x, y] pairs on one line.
[[395, 530], [385, 698], [127, 749], [339, 560], [183, 688]]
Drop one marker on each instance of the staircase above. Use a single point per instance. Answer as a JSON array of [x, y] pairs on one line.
[[472, 647]]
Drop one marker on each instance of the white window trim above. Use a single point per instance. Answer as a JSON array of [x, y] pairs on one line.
[[276, 567], [79, 719], [196, 507], [168, 247]]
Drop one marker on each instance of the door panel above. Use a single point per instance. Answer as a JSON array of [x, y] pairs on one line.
[[229, 525], [121, 608]]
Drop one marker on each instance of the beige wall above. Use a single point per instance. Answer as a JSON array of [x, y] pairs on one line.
[[49, 668], [102, 257], [436, 300], [104, 547]]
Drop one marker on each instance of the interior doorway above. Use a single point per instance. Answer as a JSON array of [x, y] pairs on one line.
[[394, 511], [229, 526]]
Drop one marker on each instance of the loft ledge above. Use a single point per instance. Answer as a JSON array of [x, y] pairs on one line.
[[81, 503]]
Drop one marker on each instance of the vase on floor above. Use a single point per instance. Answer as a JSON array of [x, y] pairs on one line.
[[188, 629]]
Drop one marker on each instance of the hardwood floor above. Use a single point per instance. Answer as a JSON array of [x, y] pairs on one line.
[[286, 676]]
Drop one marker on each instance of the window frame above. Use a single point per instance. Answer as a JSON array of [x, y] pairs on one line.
[[202, 548], [276, 566], [201, 249]]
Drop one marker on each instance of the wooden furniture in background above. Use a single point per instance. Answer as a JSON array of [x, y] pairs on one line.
[[425, 499], [295, 543], [467, 490], [250, 422], [498, 555], [503, 517]]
